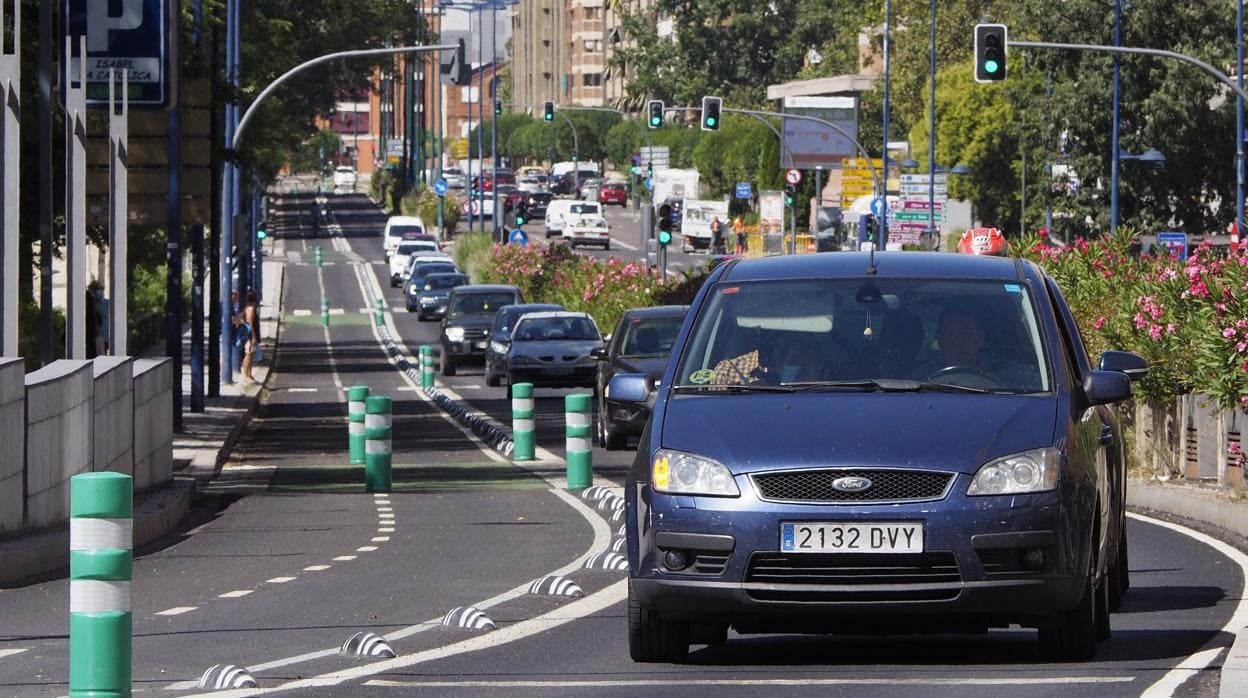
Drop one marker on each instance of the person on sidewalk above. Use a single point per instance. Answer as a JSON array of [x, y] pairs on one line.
[[717, 236], [738, 229], [247, 331]]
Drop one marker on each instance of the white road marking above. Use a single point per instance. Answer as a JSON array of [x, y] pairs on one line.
[[344, 558], [473, 386], [301, 390], [385, 509], [176, 610], [381, 496], [406, 389], [366, 549], [386, 529], [10, 653], [329, 345], [302, 312], [1237, 623], [315, 568], [380, 539], [236, 594], [385, 515], [337, 311], [675, 683], [625, 245], [279, 580]]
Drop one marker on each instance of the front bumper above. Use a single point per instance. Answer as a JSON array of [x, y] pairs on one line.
[[973, 571], [553, 376], [467, 349]]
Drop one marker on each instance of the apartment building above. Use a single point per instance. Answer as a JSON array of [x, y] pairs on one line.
[[586, 56], [539, 52]]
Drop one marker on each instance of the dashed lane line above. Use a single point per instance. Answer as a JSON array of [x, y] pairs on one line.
[[1209, 653], [366, 549], [301, 390], [380, 539], [279, 580], [236, 594], [315, 568], [344, 558], [176, 610], [386, 529], [11, 652]]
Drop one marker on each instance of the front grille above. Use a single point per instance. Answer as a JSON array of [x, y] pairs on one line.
[[841, 569], [709, 563], [886, 485], [471, 334]]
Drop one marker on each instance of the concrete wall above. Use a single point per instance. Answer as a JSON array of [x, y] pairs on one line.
[[113, 425], [153, 422], [58, 437], [12, 442]]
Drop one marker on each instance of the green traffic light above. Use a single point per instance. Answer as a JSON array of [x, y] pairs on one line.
[[991, 66], [262, 234], [665, 238], [654, 121], [710, 121]]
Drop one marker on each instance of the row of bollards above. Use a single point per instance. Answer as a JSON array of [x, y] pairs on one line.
[[370, 436], [578, 411]]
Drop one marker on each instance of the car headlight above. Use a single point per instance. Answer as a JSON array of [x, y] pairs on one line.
[[1029, 471], [455, 334], [498, 347], [414, 289], [675, 472]]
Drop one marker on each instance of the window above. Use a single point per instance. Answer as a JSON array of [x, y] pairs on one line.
[[593, 13], [591, 80], [593, 45]]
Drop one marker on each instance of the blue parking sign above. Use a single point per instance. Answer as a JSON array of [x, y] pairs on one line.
[[744, 190], [1174, 243], [131, 36]]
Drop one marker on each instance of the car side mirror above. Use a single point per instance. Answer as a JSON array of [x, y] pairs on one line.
[[1126, 362], [1107, 387], [599, 353], [628, 387]]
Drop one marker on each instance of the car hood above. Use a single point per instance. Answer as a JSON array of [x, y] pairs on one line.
[[555, 348], [647, 365], [955, 432]]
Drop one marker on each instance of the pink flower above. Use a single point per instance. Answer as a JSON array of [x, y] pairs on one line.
[[1170, 328], [1154, 331], [1228, 332], [1100, 322]]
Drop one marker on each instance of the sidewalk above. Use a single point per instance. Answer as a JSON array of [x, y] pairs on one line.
[[199, 451]]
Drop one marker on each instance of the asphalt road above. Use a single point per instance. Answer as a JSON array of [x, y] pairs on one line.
[[287, 556]]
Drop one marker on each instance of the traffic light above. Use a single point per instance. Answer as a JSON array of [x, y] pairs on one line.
[[262, 234], [498, 108], [655, 108], [461, 71], [790, 194], [711, 107], [665, 224], [522, 213], [549, 111], [990, 52], [636, 164]]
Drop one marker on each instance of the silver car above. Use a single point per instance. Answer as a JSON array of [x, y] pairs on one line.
[[553, 348]]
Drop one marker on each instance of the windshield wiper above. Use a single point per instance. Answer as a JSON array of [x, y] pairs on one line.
[[737, 388], [887, 385]]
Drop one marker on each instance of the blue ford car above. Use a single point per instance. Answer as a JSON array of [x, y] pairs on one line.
[[904, 442]]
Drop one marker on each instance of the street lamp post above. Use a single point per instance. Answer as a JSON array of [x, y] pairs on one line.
[[1113, 176]]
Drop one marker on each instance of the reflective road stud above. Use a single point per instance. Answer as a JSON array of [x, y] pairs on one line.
[[579, 453], [379, 316], [356, 395], [522, 421], [377, 431], [324, 312], [426, 367], [100, 569]]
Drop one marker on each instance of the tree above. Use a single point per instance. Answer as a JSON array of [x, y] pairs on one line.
[[313, 154]]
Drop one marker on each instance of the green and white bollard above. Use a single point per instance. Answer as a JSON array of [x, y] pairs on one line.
[[101, 562], [324, 313], [522, 422], [320, 257], [426, 367], [379, 314], [356, 395], [377, 443], [579, 447]]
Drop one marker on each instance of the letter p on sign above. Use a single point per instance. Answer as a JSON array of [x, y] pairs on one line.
[[100, 23]]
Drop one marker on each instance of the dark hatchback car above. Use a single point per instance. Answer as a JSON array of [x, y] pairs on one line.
[[500, 338], [553, 348], [416, 281], [539, 201], [641, 343], [432, 298], [466, 328], [917, 442]]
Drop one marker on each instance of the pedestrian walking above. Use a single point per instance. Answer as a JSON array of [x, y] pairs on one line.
[[738, 228], [247, 334], [717, 236]]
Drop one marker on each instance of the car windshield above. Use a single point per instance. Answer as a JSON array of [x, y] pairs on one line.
[[868, 334], [441, 281], [547, 329], [650, 336], [402, 230], [476, 303]]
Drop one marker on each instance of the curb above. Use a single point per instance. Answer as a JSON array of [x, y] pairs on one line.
[[485, 427], [159, 511]]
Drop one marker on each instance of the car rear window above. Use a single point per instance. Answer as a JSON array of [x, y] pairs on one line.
[[474, 303], [403, 230], [651, 336], [440, 281], [412, 246], [869, 329]]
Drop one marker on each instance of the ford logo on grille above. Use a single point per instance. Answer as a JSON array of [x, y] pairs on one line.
[[851, 484]]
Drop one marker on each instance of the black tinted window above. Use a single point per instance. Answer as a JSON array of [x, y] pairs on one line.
[[472, 303]]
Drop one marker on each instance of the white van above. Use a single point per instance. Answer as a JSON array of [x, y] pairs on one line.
[[560, 213], [396, 228]]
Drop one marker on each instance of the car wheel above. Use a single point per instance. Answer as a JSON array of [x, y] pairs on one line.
[[612, 440], [492, 379], [448, 366], [606, 246], [1074, 636], [421, 317], [393, 283], [651, 638]]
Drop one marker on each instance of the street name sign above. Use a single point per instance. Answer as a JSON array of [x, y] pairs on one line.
[[134, 37]]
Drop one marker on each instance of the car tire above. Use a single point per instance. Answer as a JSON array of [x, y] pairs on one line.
[[393, 283], [1074, 636], [606, 246], [421, 316], [448, 366], [491, 379], [652, 638], [611, 439]]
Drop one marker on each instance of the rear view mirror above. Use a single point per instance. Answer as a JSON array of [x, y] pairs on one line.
[[599, 353], [1107, 387], [1126, 362], [628, 387]]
